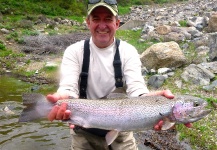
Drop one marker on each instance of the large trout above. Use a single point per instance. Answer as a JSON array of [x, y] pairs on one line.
[[127, 114]]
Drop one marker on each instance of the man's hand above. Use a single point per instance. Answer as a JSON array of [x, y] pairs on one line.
[[59, 112], [167, 94]]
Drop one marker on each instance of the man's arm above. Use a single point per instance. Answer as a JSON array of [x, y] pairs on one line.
[[69, 76]]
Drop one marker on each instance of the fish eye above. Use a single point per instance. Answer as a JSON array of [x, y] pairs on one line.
[[196, 104]]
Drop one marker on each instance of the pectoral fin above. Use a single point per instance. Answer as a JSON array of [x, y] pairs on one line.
[[111, 136], [167, 124]]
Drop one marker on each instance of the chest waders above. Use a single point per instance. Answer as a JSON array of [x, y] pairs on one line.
[[84, 77]]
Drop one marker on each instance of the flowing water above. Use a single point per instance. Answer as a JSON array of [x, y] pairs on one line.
[[42, 135]]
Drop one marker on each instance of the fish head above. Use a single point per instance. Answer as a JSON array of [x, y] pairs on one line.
[[189, 109]]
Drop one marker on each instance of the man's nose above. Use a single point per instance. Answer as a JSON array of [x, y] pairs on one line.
[[102, 24]]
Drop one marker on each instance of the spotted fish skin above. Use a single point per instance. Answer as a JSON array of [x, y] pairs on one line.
[[127, 114]]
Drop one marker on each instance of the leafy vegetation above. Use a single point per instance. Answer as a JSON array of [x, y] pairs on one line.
[[183, 23], [63, 7], [133, 37]]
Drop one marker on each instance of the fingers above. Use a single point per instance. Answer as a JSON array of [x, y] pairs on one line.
[[158, 126], [67, 115], [59, 113], [71, 126], [189, 125], [53, 97], [57, 96], [166, 93], [53, 112]]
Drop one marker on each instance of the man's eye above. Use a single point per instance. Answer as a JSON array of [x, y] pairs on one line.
[[95, 19], [109, 19]]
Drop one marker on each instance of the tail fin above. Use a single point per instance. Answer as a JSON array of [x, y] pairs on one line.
[[37, 107]]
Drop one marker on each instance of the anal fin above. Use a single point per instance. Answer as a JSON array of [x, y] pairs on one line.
[[167, 124]]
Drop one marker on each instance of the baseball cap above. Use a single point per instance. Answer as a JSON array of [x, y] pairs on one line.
[[110, 4]]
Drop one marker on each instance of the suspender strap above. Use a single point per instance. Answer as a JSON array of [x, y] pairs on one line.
[[117, 66], [85, 68]]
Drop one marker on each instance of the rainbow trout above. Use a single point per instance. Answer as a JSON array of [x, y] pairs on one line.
[[127, 114]]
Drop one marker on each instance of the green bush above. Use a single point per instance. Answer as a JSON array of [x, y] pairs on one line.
[[61, 7], [2, 46], [183, 23]]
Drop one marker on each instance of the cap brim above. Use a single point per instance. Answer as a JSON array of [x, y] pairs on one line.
[[104, 5]]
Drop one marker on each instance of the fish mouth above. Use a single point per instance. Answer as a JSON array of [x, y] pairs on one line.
[[191, 112], [199, 113]]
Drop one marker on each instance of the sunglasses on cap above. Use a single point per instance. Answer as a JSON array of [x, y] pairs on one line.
[[109, 2]]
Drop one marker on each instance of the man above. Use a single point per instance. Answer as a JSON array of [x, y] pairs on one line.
[[102, 21]]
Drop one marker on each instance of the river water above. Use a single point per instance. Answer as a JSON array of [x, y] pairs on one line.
[[42, 135]]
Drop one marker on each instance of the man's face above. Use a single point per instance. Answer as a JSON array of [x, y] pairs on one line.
[[103, 25]]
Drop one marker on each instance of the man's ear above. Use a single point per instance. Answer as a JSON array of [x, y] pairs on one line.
[[117, 24], [88, 22]]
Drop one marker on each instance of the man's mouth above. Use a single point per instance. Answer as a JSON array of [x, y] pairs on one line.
[[102, 32]]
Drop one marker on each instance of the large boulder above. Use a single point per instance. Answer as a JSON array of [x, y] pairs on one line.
[[161, 55]]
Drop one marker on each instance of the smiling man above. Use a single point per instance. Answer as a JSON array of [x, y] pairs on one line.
[[95, 68], [103, 25]]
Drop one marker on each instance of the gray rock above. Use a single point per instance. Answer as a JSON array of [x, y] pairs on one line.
[[213, 46], [197, 75], [5, 31], [156, 81], [211, 66], [211, 87]]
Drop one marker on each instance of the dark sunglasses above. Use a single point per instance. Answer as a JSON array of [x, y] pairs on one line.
[[109, 2]]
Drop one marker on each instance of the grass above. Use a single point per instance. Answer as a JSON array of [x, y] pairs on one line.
[[203, 134], [183, 23], [123, 10], [133, 37]]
